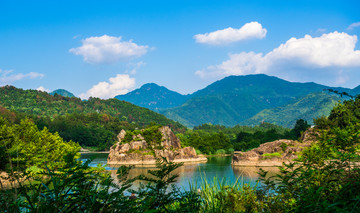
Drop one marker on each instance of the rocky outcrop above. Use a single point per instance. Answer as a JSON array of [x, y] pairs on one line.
[[139, 152], [274, 153]]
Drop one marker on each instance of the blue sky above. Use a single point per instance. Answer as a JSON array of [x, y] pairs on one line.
[[105, 48]]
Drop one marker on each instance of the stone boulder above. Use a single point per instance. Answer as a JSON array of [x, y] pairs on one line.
[[138, 151], [262, 156]]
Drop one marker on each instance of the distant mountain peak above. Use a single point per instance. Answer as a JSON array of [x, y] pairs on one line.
[[62, 92], [154, 97]]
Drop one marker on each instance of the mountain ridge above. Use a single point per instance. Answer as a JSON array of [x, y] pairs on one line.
[[154, 97], [235, 99]]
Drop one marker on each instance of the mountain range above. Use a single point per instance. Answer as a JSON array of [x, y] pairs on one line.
[[236, 100]]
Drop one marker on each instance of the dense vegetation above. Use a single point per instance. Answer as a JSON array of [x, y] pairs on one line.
[[23, 146], [93, 123], [325, 178], [218, 139], [42, 104]]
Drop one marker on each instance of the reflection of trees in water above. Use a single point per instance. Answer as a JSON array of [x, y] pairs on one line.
[[252, 171], [219, 160], [183, 171]]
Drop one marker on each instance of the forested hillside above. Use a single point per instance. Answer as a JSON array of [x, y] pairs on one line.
[[42, 104], [309, 107], [93, 123], [235, 99]]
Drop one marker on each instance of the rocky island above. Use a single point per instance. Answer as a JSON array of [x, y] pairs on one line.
[[142, 147], [274, 153]]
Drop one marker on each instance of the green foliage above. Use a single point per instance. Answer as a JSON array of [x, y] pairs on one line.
[[222, 197], [24, 145], [210, 138], [230, 151], [283, 146], [300, 126], [325, 179], [74, 188], [271, 155], [152, 135], [77, 187], [159, 194], [220, 152], [42, 104]]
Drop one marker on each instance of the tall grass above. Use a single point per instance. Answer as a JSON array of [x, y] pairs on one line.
[[222, 196]]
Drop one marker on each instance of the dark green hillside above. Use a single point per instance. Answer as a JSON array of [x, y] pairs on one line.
[[154, 97], [62, 92], [237, 98], [42, 104], [309, 107]]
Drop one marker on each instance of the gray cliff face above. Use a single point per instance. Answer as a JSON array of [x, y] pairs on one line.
[[138, 151], [285, 151]]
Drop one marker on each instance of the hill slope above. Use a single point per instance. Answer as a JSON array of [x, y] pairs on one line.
[[313, 105], [154, 97], [62, 92], [237, 98], [43, 104]]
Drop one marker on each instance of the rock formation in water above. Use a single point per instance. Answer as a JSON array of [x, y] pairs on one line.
[[138, 151], [274, 153]]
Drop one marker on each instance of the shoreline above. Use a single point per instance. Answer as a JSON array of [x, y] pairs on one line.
[[220, 155], [153, 162], [95, 152]]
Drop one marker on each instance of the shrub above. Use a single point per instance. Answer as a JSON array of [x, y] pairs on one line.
[[283, 146], [271, 155], [220, 152]]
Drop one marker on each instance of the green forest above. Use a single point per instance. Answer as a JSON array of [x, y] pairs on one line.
[[325, 177], [95, 123]]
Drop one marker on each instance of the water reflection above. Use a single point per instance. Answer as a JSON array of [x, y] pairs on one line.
[[219, 167], [253, 172]]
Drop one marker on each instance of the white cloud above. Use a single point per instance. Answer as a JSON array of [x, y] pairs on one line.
[[229, 35], [332, 50], [118, 85], [133, 67], [353, 25], [43, 89], [108, 49], [8, 76]]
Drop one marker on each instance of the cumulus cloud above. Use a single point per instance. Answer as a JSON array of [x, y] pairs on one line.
[[252, 30], [118, 85], [8, 76], [43, 89], [353, 25], [108, 49], [332, 50]]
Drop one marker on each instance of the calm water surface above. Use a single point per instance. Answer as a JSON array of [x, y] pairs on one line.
[[219, 167]]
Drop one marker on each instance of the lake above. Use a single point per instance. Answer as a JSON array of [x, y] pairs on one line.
[[219, 167]]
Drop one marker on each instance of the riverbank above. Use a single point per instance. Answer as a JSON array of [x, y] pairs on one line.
[[218, 155]]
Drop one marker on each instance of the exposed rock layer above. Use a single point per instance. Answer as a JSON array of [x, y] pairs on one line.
[[274, 153], [140, 152]]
